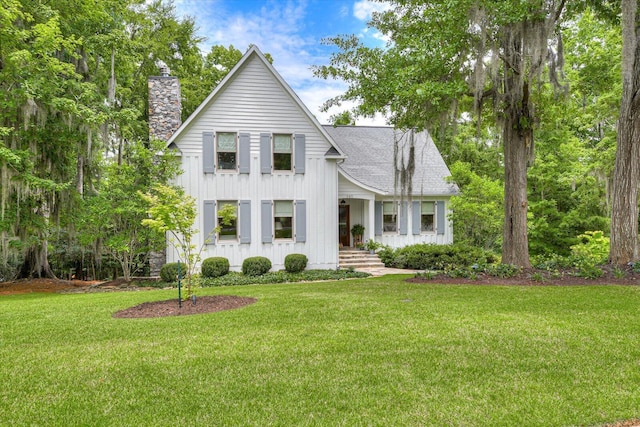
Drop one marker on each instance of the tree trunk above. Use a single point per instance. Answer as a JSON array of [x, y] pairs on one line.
[[626, 176], [518, 145], [36, 263], [515, 242]]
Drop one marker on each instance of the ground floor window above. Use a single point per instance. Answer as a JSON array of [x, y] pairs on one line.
[[283, 219], [228, 231], [389, 217], [427, 215]]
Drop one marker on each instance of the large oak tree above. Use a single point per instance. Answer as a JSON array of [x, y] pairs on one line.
[[624, 218], [442, 52]]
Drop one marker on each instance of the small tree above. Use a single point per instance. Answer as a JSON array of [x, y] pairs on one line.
[[174, 212]]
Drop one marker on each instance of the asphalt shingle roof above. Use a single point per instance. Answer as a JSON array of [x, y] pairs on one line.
[[370, 159]]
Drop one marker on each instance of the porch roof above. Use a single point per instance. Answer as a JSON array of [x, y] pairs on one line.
[[370, 152]]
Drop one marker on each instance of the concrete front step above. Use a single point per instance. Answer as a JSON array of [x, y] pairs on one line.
[[359, 259]]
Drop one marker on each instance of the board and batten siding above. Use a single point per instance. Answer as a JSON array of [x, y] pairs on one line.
[[254, 102]]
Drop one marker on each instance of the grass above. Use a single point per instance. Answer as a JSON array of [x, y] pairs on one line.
[[374, 352]]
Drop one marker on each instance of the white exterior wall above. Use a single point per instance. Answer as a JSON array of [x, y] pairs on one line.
[[254, 102]]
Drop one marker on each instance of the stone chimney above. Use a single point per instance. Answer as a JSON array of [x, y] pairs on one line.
[[165, 106], [165, 109]]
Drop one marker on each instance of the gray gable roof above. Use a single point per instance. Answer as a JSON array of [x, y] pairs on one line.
[[370, 159], [334, 151]]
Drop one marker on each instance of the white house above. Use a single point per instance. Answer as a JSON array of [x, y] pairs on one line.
[[298, 186]]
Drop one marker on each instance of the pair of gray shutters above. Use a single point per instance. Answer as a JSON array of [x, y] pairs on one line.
[[244, 153], [210, 220], [415, 218], [244, 216], [299, 221]]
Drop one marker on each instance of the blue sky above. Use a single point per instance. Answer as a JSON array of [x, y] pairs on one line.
[[291, 31]]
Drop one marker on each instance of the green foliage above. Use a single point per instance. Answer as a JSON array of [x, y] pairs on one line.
[[618, 273], [503, 270], [357, 230], [171, 211], [589, 271], [115, 214], [236, 279], [478, 211], [592, 250], [435, 257], [295, 263], [215, 267], [256, 266], [372, 245], [169, 272]]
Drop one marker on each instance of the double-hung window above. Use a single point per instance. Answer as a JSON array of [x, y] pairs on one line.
[[283, 219], [282, 152], [227, 149], [427, 215], [390, 217], [228, 226]]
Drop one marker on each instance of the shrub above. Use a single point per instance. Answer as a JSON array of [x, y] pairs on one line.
[[435, 257], [589, 271], [592, 250], [295, 263], [503, 270], [256, 266], [169, 272], [215, 267]]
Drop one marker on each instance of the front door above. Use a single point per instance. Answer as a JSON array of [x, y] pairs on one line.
[[343, 225]]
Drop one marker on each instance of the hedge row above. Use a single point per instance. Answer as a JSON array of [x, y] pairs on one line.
[[435, 257]]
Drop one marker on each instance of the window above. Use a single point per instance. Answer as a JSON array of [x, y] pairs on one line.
[[282, 152], [389, 217], [427, 213], [283, 219], [228, 231], [226, 147]]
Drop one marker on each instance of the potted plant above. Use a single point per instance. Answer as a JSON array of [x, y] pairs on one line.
[[357, 231], [372, 246]]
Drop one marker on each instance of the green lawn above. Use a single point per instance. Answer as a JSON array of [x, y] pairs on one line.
[[377, 352]]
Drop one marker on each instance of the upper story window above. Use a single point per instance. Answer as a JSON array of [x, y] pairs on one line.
[[282, 152], [389, 217], [227, 149], [283, 219], [427, 215], [228, 230]]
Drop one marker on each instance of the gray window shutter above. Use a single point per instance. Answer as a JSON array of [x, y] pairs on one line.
[[404, 218], [378, 218], [416, 223], [209, 221], [245, 221], [301, 220], [208, 152], [266, 213], [244, 153], [440, 217], [299, 152], [265, 153]]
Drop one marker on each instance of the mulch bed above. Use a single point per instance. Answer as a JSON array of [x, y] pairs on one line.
[[205, 304]]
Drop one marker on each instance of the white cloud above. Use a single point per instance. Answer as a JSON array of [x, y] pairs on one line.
[[362, 9]]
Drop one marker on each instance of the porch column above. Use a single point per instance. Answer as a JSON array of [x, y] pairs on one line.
[[369, 213]]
